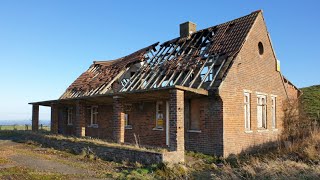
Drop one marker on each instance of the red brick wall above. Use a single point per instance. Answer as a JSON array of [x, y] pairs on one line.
[[208, 139], [142, 118], [105, 123], [257, 73], [293, 93]]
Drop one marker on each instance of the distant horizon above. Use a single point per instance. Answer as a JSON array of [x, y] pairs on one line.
[[21, 122]]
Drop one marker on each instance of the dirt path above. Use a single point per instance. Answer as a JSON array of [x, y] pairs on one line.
[[13, 154], [46, 165]]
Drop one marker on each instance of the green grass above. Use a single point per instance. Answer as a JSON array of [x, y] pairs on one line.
[[311, 101]]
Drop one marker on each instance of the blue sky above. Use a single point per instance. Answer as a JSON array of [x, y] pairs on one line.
[[45, 45]]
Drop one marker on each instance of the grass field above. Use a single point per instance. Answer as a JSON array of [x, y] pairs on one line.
[[22, 127], [26, 159], [311, 101]]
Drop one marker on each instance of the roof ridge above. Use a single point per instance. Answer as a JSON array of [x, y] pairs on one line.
[[147, 48], [230, 21]]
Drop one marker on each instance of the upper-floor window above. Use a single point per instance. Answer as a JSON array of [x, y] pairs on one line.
[[262, 111], [70, 116], [247, 119]]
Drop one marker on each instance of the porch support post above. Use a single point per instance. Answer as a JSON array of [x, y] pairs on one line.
[[35, 117], [176, 121], [54, 118], [118, 119], [80, 120]]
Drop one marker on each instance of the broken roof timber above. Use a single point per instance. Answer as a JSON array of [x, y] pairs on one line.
[[198, 61]]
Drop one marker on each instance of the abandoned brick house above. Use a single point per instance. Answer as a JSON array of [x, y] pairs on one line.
[[217, 91]]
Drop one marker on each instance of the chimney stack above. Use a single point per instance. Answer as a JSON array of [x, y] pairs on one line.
[[187, 28]]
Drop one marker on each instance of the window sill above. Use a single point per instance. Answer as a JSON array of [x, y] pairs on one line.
[[69, 124], [194, 131], [128, 127], [263, 130], [157, 129], [274, 129], [93, 126], [248, 131]]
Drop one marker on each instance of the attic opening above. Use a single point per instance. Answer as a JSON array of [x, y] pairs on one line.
[[260, 47]]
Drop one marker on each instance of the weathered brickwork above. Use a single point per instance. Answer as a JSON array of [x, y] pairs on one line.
[[80, 119], [209, 138], [118, 119], [292, 91], [142, 119], [54, 118], [35, 117], [176, 120], [257, 74]]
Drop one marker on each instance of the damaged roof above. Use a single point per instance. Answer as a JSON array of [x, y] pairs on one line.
[[198, 61]]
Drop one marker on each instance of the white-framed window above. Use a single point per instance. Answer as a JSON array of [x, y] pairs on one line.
[[70, 115], [273, 110], [159, 115], [94, 116], [247, 114], [262, 111], [126, 121]]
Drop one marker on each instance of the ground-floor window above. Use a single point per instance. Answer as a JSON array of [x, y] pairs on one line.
[[273, 109], [247, 120], [194, 121], [70, 115], [94, 116], [126, 121], [262, 111], [159, 115]]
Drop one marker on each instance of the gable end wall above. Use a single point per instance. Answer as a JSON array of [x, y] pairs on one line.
[[257, 73]]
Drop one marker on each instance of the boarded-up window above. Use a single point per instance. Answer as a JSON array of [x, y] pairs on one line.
[[194, 122]]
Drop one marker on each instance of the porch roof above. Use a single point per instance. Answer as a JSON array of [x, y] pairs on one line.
[[130, 96]]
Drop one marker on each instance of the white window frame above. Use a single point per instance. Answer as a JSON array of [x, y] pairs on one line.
[[159, 115], [70, 116], [126, 121], [262, 104], [94, 116], [247, 110], [274, 111]]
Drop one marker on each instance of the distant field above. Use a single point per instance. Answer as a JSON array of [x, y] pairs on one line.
[[22, 127]]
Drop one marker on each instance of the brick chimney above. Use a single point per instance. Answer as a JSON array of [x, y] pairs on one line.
[[187, 28]]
